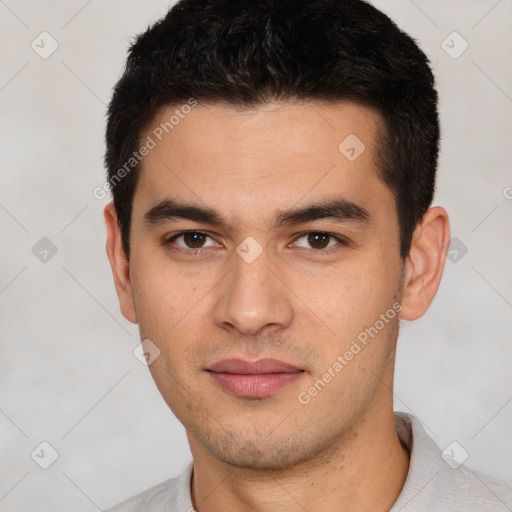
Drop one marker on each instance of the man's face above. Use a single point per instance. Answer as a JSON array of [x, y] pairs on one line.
[[292, 252]]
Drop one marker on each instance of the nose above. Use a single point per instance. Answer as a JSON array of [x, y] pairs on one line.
[[252, 299]]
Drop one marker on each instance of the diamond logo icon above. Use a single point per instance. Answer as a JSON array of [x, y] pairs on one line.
[[454, 455], [44, 45], [249, 249], [455, 250], [44, 455], [454, 45], [44, 250], [352, 147], [146, 352]]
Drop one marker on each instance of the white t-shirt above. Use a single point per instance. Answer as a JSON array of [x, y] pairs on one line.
[[432, 484]]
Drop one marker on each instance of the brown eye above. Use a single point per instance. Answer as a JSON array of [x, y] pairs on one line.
[[194, 239], [318, 240]]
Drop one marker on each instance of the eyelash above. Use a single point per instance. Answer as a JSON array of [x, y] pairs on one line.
[[341, 242]]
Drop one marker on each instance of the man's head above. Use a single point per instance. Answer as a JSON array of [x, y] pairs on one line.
[[277, 225], [248, 53]]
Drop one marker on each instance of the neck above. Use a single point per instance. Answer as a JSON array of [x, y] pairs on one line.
[[364, 470]]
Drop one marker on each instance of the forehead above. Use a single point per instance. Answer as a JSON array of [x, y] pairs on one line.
[[246, 160], [269, 129]]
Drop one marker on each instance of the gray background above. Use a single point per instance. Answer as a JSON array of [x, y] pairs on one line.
[[68, 375]]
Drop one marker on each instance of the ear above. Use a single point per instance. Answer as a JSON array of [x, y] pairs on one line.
[[119, 263], [425, 263]]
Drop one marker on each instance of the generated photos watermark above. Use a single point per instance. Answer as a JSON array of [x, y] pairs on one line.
[[357, 345], [149, 143]]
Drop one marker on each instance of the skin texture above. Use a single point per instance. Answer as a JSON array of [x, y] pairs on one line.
[[295, 302]]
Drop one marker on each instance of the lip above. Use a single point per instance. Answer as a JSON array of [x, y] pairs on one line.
[[254, 379]]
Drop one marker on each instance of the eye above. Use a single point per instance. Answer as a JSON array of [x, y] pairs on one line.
[[192, 240], [318, 240]]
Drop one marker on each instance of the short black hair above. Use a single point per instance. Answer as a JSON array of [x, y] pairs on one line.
[[248, 52]]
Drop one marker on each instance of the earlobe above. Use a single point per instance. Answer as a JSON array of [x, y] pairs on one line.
[[425, 263], [119, 264]]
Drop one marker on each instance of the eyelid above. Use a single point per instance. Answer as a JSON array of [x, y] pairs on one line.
[[171, 239], [342, 241]]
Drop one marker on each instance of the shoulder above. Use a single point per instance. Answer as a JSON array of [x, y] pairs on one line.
[[170, 495], [440, 481], [476, 491]]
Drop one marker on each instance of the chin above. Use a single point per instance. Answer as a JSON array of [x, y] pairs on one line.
[[262, 454]]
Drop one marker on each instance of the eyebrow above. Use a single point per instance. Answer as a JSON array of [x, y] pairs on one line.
[[338, 209]]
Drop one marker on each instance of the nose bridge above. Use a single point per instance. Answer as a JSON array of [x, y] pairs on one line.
[[252, 297]]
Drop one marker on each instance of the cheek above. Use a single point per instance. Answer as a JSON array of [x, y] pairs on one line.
[[170, 312], [348, 299], [174, 310], [163, 292]]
